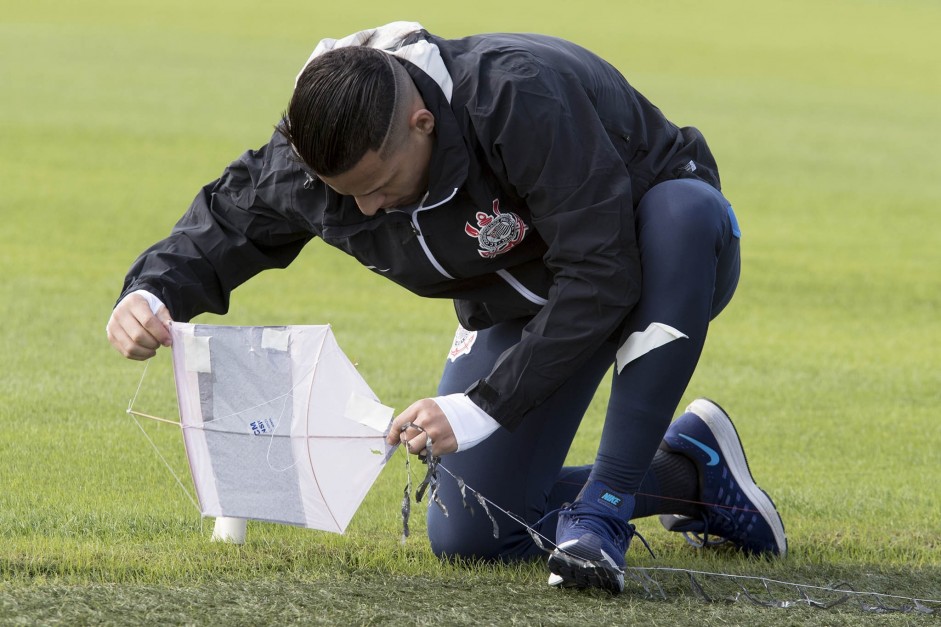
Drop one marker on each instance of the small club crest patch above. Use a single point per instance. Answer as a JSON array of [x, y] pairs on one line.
[[497, 232], [463, 342]]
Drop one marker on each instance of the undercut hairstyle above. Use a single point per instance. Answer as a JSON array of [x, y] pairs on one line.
[[347, 102]]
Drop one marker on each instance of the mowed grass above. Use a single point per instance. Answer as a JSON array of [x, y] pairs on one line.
[[824, 119]]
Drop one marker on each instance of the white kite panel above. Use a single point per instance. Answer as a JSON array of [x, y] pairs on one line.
[[265, 417]]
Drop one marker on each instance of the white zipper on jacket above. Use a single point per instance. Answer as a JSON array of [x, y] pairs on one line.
[[421, 238], [506, 276], [522, 289]]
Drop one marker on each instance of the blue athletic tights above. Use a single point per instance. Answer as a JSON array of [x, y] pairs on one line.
[[689, 252]]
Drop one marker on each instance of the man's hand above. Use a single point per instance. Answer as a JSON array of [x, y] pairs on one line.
[[137, 332], [427, 415]]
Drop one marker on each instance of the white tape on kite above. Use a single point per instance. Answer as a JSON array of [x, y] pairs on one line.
[[196, 353], [369, 412], [276, 339], [639, 343]]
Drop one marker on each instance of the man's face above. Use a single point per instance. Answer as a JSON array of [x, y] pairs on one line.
[[398, 180]]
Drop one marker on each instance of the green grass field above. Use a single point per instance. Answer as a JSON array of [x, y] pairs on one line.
[[824, 117]]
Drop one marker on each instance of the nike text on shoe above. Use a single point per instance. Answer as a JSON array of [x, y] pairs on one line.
[[735, 509], [591, 539]]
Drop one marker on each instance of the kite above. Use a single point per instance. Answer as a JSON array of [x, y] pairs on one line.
[[277, 423], [279, 426]]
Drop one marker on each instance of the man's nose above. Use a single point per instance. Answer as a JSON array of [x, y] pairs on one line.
[[370, 204]]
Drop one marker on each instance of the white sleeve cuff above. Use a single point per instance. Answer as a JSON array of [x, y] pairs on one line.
[[471, 425], [154, 302]]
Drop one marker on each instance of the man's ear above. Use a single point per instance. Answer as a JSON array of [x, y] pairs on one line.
[[422, 120]]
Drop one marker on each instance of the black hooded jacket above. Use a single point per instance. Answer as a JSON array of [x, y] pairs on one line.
[[542, 152]]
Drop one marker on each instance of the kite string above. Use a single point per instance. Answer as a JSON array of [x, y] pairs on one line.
[[132, 414], [640, 574], [407, 499], [167, 464], [262, 404], [767, 580], [429, 480], [289, 392], [271, 439], [140, 384], [540, 540]]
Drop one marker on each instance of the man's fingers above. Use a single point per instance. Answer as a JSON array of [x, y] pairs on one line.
[[126, 346], [422, 420], [418, 444], [156, 326], [140, 334], [163, 314], [153, 330], [135, 331], [396, 434], [411, 436]]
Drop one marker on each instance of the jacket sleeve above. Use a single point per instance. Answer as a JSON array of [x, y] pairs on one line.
[[545, 135], [237, 226]]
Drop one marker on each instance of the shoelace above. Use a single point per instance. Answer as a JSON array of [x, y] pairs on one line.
[[622, 531], [700, 540]]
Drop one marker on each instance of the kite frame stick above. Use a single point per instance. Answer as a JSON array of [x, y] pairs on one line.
[[143, 415]]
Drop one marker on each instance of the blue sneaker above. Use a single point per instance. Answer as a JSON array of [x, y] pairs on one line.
[[735, 509], [592, 537]]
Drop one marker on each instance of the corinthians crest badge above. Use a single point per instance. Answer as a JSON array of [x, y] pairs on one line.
[[498, 232]]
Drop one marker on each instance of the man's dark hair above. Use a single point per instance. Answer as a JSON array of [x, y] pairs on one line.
[[342, 107]]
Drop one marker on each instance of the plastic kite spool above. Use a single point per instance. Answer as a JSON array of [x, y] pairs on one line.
[[229, 530]]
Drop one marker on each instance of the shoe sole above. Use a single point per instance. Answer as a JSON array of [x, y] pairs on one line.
[[730, 445], [574, 572]]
